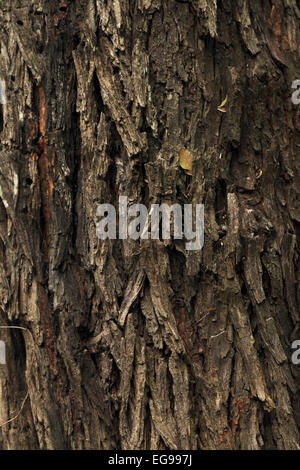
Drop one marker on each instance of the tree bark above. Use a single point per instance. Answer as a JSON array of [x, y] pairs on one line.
[[143, 344]]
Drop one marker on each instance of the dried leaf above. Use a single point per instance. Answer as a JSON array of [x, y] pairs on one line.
[[223, 103], [186, 161]]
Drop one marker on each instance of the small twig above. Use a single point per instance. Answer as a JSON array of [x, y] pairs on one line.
[[14, 328], [206, 313], [29, 369], [219, 334], [18, 414]]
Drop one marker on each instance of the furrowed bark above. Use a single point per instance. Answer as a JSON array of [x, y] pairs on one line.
[[143, 344]]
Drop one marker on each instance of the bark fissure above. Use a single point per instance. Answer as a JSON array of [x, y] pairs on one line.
[[144, 344]]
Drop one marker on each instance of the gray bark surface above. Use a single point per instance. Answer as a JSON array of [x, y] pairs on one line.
[[142, 344]]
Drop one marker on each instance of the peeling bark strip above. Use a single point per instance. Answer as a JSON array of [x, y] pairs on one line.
[[143, 344]]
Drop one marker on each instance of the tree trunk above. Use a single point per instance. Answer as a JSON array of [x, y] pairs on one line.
[[143, 344]]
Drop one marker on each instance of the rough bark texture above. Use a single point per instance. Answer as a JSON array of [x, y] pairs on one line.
[[144, 345]]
